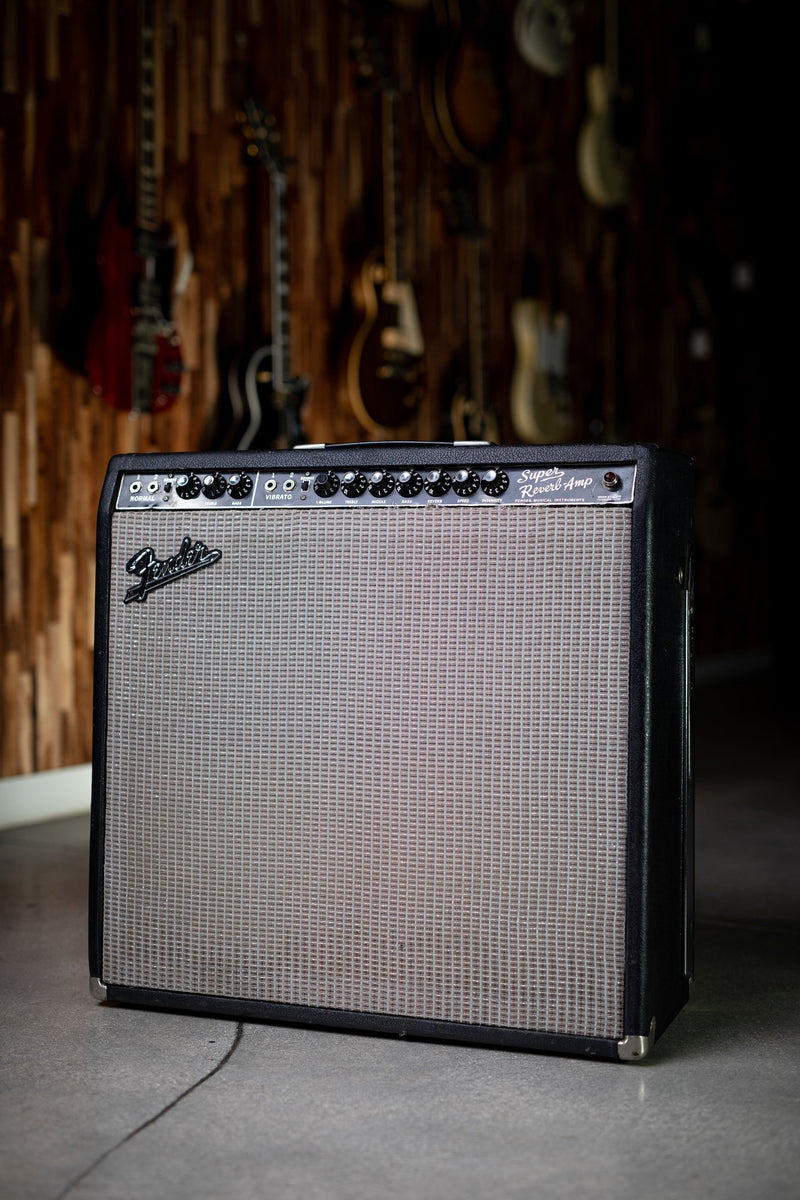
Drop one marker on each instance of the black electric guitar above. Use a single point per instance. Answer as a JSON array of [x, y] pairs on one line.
[[469, 416], [382, 367], [264, 397]]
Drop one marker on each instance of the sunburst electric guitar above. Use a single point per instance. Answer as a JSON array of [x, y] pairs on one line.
[[382, 371]]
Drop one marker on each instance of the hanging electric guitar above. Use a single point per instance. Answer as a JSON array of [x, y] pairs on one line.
[[382, 370], [463, 95], [541, 403], [264, 396], [469, 416], [605, 142], [544, 33], [133, 354]]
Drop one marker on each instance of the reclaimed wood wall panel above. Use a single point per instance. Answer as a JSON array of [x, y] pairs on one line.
[[68, 137]]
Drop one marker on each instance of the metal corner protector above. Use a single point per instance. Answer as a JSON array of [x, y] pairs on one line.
[[635, 1047], [98, 989]]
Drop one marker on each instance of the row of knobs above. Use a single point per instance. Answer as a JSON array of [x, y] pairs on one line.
[[410, 483], [213, 486], [353, 484]]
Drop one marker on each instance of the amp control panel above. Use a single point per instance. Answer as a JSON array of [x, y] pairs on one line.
[[360, 486]]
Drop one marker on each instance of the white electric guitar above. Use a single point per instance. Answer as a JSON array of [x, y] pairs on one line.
[[541, 404], [605, 151], [544, 33]]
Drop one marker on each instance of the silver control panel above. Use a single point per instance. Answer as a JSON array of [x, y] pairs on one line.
[[358, 486]]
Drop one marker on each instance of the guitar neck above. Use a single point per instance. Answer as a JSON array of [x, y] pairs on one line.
[[279, 284], [612, 43], [477, 322], [146, 292], [147, 198], [392, 220]]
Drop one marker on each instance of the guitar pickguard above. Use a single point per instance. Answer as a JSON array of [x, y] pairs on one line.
[[406, 335]]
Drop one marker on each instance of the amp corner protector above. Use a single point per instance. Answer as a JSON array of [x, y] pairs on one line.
[[635, 1047], [98, 989]]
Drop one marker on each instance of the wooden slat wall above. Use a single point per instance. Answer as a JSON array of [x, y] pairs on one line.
[[67, 109]]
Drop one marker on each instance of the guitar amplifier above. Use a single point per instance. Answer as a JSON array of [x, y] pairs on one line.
[[396, 737]]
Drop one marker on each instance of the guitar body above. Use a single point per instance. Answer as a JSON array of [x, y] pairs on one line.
[[463, 99], [383, 368], [133, 355], [270, 416], [541, 406], [108, 346], [543, 34], [605, 160], [246, 379]]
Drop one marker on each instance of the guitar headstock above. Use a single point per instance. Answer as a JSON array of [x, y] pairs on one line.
[[260, 130]]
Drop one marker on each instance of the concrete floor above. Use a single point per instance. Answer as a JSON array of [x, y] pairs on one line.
[[109, 1102]]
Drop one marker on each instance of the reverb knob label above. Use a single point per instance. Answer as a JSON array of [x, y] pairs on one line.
[[153, 572]]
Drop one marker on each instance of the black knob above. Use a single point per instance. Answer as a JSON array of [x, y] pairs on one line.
[[437, 483], [354, 483], [381, 483], [326, 484], [214, 485], [188, 486], [409, 483], [466, 483], [240, 486], [494, 482]]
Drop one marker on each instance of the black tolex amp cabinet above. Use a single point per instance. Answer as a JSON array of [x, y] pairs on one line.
[[396, 737]]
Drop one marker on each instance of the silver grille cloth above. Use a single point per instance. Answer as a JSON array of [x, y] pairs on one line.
[[375, 760]]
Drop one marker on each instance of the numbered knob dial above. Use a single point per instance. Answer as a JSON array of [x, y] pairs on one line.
[[437, 483], [381, 483], [240, 486], [214, 485], [188, 486], [354, 483], [326, 484], [466, 483], [494, 482], [409, 483]]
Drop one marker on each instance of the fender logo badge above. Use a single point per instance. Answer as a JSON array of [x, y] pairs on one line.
[[155, 572]]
